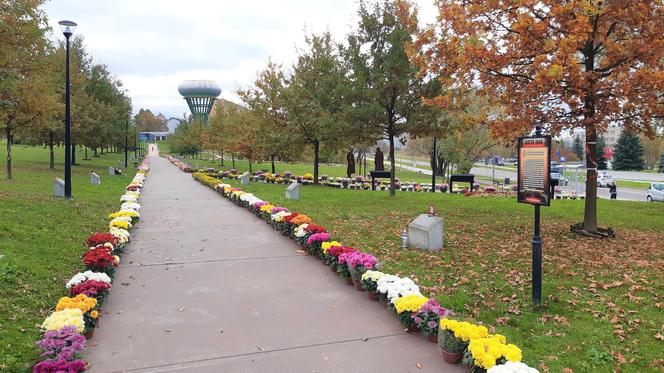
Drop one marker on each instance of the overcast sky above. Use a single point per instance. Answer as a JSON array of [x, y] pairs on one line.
[[152, 45]]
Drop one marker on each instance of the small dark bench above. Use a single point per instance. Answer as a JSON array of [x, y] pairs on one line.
[[462, 178], [378, 175]]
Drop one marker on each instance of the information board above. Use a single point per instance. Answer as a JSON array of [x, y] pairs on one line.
[[534, 166]]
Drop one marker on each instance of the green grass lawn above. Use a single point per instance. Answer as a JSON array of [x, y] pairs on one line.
[[41, 240], [632, 184], [604, 299]]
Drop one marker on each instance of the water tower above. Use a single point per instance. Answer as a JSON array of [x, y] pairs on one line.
[[200, 96]]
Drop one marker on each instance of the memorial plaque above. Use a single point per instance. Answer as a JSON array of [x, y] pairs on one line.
[[293, 191], [533, 170], [59, 188]]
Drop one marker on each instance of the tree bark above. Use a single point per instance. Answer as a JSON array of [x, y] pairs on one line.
[[73, 154], [8, 131], [51, 163], [434, 158], [392, 164], [316, 149], [94, 152], [590, 210], [250, 170], [233, 159], [272, 160]]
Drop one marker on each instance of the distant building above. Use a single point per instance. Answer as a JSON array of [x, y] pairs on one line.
[[611, 135], [153, 136]]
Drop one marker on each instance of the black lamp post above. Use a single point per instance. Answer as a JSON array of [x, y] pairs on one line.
[[126, 149], [68, 28]]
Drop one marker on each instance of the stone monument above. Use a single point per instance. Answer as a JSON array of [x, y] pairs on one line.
[[59, 188], [426, 232], [244, 178], [94, 178], [293, 191]]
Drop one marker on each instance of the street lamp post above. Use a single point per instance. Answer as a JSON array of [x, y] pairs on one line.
[[126, 149], [68, 28]]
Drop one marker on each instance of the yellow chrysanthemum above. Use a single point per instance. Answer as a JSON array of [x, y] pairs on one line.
[[410, 303], [464, 330], [67, 317], [326, 245], [120, 224], [81, 302], [267, 208]]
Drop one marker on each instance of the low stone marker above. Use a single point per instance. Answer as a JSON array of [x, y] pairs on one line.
[[94, 178], [111, 171], [293, 191], [426, 232], [59, 188], [244, 178]]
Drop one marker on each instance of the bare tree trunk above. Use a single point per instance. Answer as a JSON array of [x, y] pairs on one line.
[[73, 154], [94, 152], [9, 151], [233, 159], [51, 153], [316, 148], [590, 211], [272, 160], [250, 170], [392, 163]]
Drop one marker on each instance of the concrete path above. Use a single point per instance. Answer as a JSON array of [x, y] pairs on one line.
[[205, 286]]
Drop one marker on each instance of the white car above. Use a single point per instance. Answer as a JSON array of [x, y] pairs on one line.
[[604, 179], [655, 192]]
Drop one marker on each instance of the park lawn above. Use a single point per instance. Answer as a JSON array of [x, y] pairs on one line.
[[41, 240], [632, 184], [604, 299], [298, 168]]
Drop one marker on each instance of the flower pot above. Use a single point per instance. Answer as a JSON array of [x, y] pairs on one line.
[[451, 357], [414, 329], [432, 338], [358, 286], [372, 296], [349, 281], [89, 332]]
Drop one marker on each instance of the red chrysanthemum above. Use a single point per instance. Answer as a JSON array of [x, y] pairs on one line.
[[91, 288], [290, 217], [100, 239], [100, 257], [315, 228], [338, 250]]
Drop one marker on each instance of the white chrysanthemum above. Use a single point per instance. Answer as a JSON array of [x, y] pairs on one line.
[[87, 275], [300, 230], [128, 198]]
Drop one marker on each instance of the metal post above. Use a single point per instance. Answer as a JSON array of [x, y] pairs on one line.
[[67, 126], [135, 145], [126, 140], [433, 166], [537, 259]]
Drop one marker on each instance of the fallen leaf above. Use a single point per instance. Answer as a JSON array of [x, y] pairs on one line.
[[418, 365], [620, 358]]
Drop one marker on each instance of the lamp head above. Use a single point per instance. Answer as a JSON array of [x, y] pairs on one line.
[[67, 27]]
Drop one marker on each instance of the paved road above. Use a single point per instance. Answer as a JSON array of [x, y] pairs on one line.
[[208, 287], [627, 194]]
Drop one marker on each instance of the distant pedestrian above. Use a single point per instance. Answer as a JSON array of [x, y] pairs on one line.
[[613, 189]]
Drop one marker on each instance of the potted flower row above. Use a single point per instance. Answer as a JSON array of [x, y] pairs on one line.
[[76, 316]]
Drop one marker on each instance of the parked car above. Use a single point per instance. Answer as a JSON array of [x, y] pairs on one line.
[[604, 179], [655, 192]]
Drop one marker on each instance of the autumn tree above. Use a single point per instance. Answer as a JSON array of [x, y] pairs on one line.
[[22, 67], [563, 65], [146, 121], [386, 88], [314, 96], [265, 98]]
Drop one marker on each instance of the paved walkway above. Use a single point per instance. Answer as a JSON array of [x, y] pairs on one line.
[[205, 286]]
